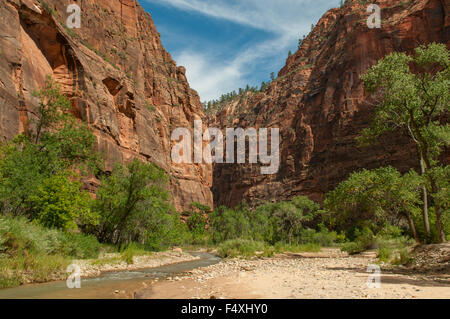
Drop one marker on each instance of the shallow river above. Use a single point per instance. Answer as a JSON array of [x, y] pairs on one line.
[[122, 284]]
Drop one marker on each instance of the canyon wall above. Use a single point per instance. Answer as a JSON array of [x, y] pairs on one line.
[[118, 76], [124, 84], [319, 103]]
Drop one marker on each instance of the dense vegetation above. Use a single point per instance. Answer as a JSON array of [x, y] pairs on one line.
[[416, 103], [47, 218], [38, 168], [30, 252], [293, 225], [372, 208]]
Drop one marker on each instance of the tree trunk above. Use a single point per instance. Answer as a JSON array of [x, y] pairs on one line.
[[426, 220], [437, 210], [412, 227], [439, 225]]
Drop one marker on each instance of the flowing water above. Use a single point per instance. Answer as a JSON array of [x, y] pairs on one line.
[[121, 284]]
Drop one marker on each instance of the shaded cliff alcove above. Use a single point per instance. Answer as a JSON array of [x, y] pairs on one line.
[[51, 52]]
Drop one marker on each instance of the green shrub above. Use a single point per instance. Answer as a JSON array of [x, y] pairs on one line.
[[239, 248], [352, 248], [127, 256], [271, 223], [390, 231], [196, 224], [365, 239], [18, 235], [372, 198], [128, 252], [285, 221], [60, 202], [227, 224], [385, 253], [30, 251], [79, 246], [269, 251], [163, 230], [402, 258], [322, 237]]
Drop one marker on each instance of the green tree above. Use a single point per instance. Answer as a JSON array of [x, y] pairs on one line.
[[128, 199], [415, 102], [157, 228], [200, 208], [231, 223], [59, 202], [371, 198], [441, 174], [288, 219], [196, 224], [198, 219], [53, 145], [263, 86]]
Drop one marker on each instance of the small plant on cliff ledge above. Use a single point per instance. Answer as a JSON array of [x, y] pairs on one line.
[[150, 107]]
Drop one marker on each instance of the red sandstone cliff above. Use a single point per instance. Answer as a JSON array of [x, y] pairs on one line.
[[319, 103], [117, 74]]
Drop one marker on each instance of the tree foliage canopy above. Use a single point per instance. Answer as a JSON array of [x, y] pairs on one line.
[[37, 168]]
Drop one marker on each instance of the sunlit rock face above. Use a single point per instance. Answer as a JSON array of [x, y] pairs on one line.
[[123, 83], [319, 103], [114, 69]]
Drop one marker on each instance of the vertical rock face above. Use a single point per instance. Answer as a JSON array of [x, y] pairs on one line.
[[319, 104], [115, 71]]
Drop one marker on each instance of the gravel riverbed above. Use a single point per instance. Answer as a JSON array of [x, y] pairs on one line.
[[330, 274]]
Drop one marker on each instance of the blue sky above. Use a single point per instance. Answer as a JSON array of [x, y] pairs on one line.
[[226, 44]]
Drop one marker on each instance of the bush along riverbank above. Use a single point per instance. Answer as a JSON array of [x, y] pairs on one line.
[[47, 219], [31, 253]]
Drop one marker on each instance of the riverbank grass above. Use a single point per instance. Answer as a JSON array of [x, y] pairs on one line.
[[32, 253], [248, 248]]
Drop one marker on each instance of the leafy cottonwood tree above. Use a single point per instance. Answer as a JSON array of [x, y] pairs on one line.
[[59, 202], [414, 93], [228, 223], [287, 220], [37, 168], [371, 198], [128, 198]]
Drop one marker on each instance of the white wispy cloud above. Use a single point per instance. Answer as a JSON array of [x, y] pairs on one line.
[[280, 16], [210, 77], [287, 20]]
